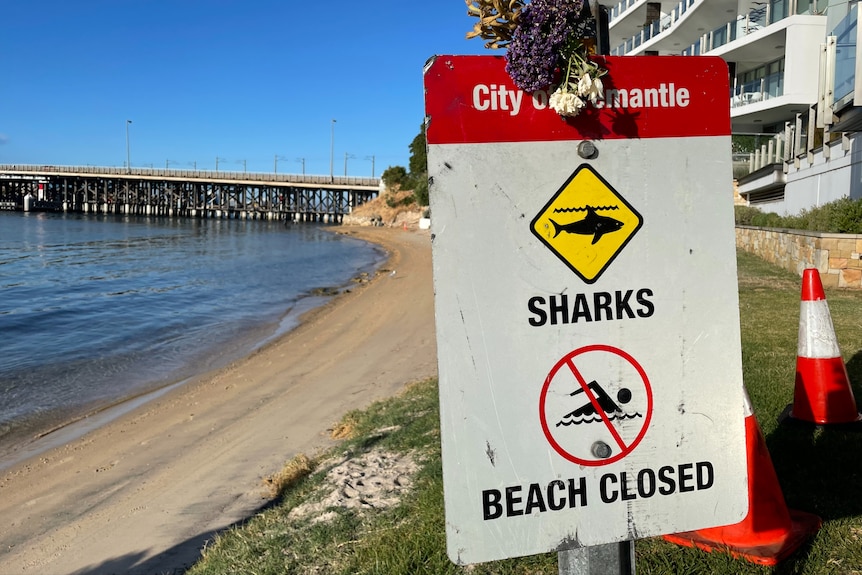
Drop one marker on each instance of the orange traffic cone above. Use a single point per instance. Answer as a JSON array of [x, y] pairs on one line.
[[822, 394], [770, 532]]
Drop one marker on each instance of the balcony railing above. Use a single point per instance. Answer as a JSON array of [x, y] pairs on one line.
[[755, 91], [753, 21], [774, 151], [652, 30], [620, 8]]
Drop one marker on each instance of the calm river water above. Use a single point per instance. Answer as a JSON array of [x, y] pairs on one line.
[[95, 310]]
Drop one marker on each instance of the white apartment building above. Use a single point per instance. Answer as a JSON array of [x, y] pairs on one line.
[[793, 80]]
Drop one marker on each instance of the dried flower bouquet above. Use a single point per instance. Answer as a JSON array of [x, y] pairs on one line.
[[545, 47]]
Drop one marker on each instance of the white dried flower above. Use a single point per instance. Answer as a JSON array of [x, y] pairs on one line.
[[590, 88], [566, 103]]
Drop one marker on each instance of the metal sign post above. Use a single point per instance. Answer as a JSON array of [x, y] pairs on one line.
[[610, 559], [586, 308]]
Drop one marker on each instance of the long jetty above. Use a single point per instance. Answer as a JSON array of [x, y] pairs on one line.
[[183, 193]]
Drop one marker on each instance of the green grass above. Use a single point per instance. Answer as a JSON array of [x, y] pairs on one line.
[[820, 471]]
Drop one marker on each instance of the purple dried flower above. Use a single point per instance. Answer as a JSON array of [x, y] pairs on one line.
[[536, 49]]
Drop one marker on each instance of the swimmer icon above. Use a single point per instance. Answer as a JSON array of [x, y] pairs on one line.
[[576, 411], [585, 413]]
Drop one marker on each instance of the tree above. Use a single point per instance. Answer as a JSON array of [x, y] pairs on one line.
[[418, 153], [396, 177], [420, 192], [419, 166]]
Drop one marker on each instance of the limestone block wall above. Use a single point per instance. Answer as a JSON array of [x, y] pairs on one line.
[[838, 257]]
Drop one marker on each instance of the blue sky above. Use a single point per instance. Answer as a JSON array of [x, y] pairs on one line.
[[243, 81]]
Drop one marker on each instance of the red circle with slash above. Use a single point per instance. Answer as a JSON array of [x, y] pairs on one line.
[[620, 427]]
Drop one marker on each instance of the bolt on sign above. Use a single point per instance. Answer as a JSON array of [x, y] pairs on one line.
[[586, 304]]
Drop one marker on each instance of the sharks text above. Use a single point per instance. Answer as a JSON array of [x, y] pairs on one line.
[[563, 308]]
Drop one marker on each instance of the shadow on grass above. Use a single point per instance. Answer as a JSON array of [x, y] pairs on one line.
[[854, 371], [820, 468], [174, 561]]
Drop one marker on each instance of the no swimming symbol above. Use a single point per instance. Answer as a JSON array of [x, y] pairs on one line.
[[587, 413], [595, 405]]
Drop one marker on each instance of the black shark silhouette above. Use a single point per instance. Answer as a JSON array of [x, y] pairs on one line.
[[593, 224]]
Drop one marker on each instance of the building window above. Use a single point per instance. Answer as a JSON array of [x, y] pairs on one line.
[[845, 56], [811, 6], [774, 81], [760, 83], [778, 10]]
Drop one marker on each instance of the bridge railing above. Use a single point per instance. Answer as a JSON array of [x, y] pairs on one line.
[[201, 174]]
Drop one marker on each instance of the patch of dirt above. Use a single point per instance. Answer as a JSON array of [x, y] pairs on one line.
[[375, 480], [391, 208]]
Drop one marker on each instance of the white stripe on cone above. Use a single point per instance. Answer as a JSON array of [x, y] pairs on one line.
[[747, 410], [816, 332]]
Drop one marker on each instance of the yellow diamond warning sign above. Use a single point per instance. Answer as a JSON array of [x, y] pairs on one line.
[[586, 223]]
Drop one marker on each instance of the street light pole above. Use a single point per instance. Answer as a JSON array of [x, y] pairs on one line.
[[346, 155], [128, 152], [275, 165], [332, 151]]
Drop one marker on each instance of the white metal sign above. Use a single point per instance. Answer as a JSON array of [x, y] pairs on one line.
[[587, 314]]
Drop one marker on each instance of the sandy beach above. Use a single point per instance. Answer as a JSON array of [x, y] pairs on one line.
[[143, 493]]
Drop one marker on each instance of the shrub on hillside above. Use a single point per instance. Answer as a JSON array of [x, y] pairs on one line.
[[395, 201], [745, 214], [395, 177], [842, 216], [768, 220]]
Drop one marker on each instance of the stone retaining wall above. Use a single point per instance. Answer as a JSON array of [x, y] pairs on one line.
[[836, 256]]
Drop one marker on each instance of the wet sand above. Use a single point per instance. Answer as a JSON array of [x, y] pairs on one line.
[[143, 493]]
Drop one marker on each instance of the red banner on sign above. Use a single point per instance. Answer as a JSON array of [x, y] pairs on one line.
[[472, 100]]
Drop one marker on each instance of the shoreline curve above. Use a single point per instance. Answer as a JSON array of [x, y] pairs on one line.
[[144, 492]]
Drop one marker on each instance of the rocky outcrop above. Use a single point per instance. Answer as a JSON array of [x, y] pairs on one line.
[[391, 209]]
